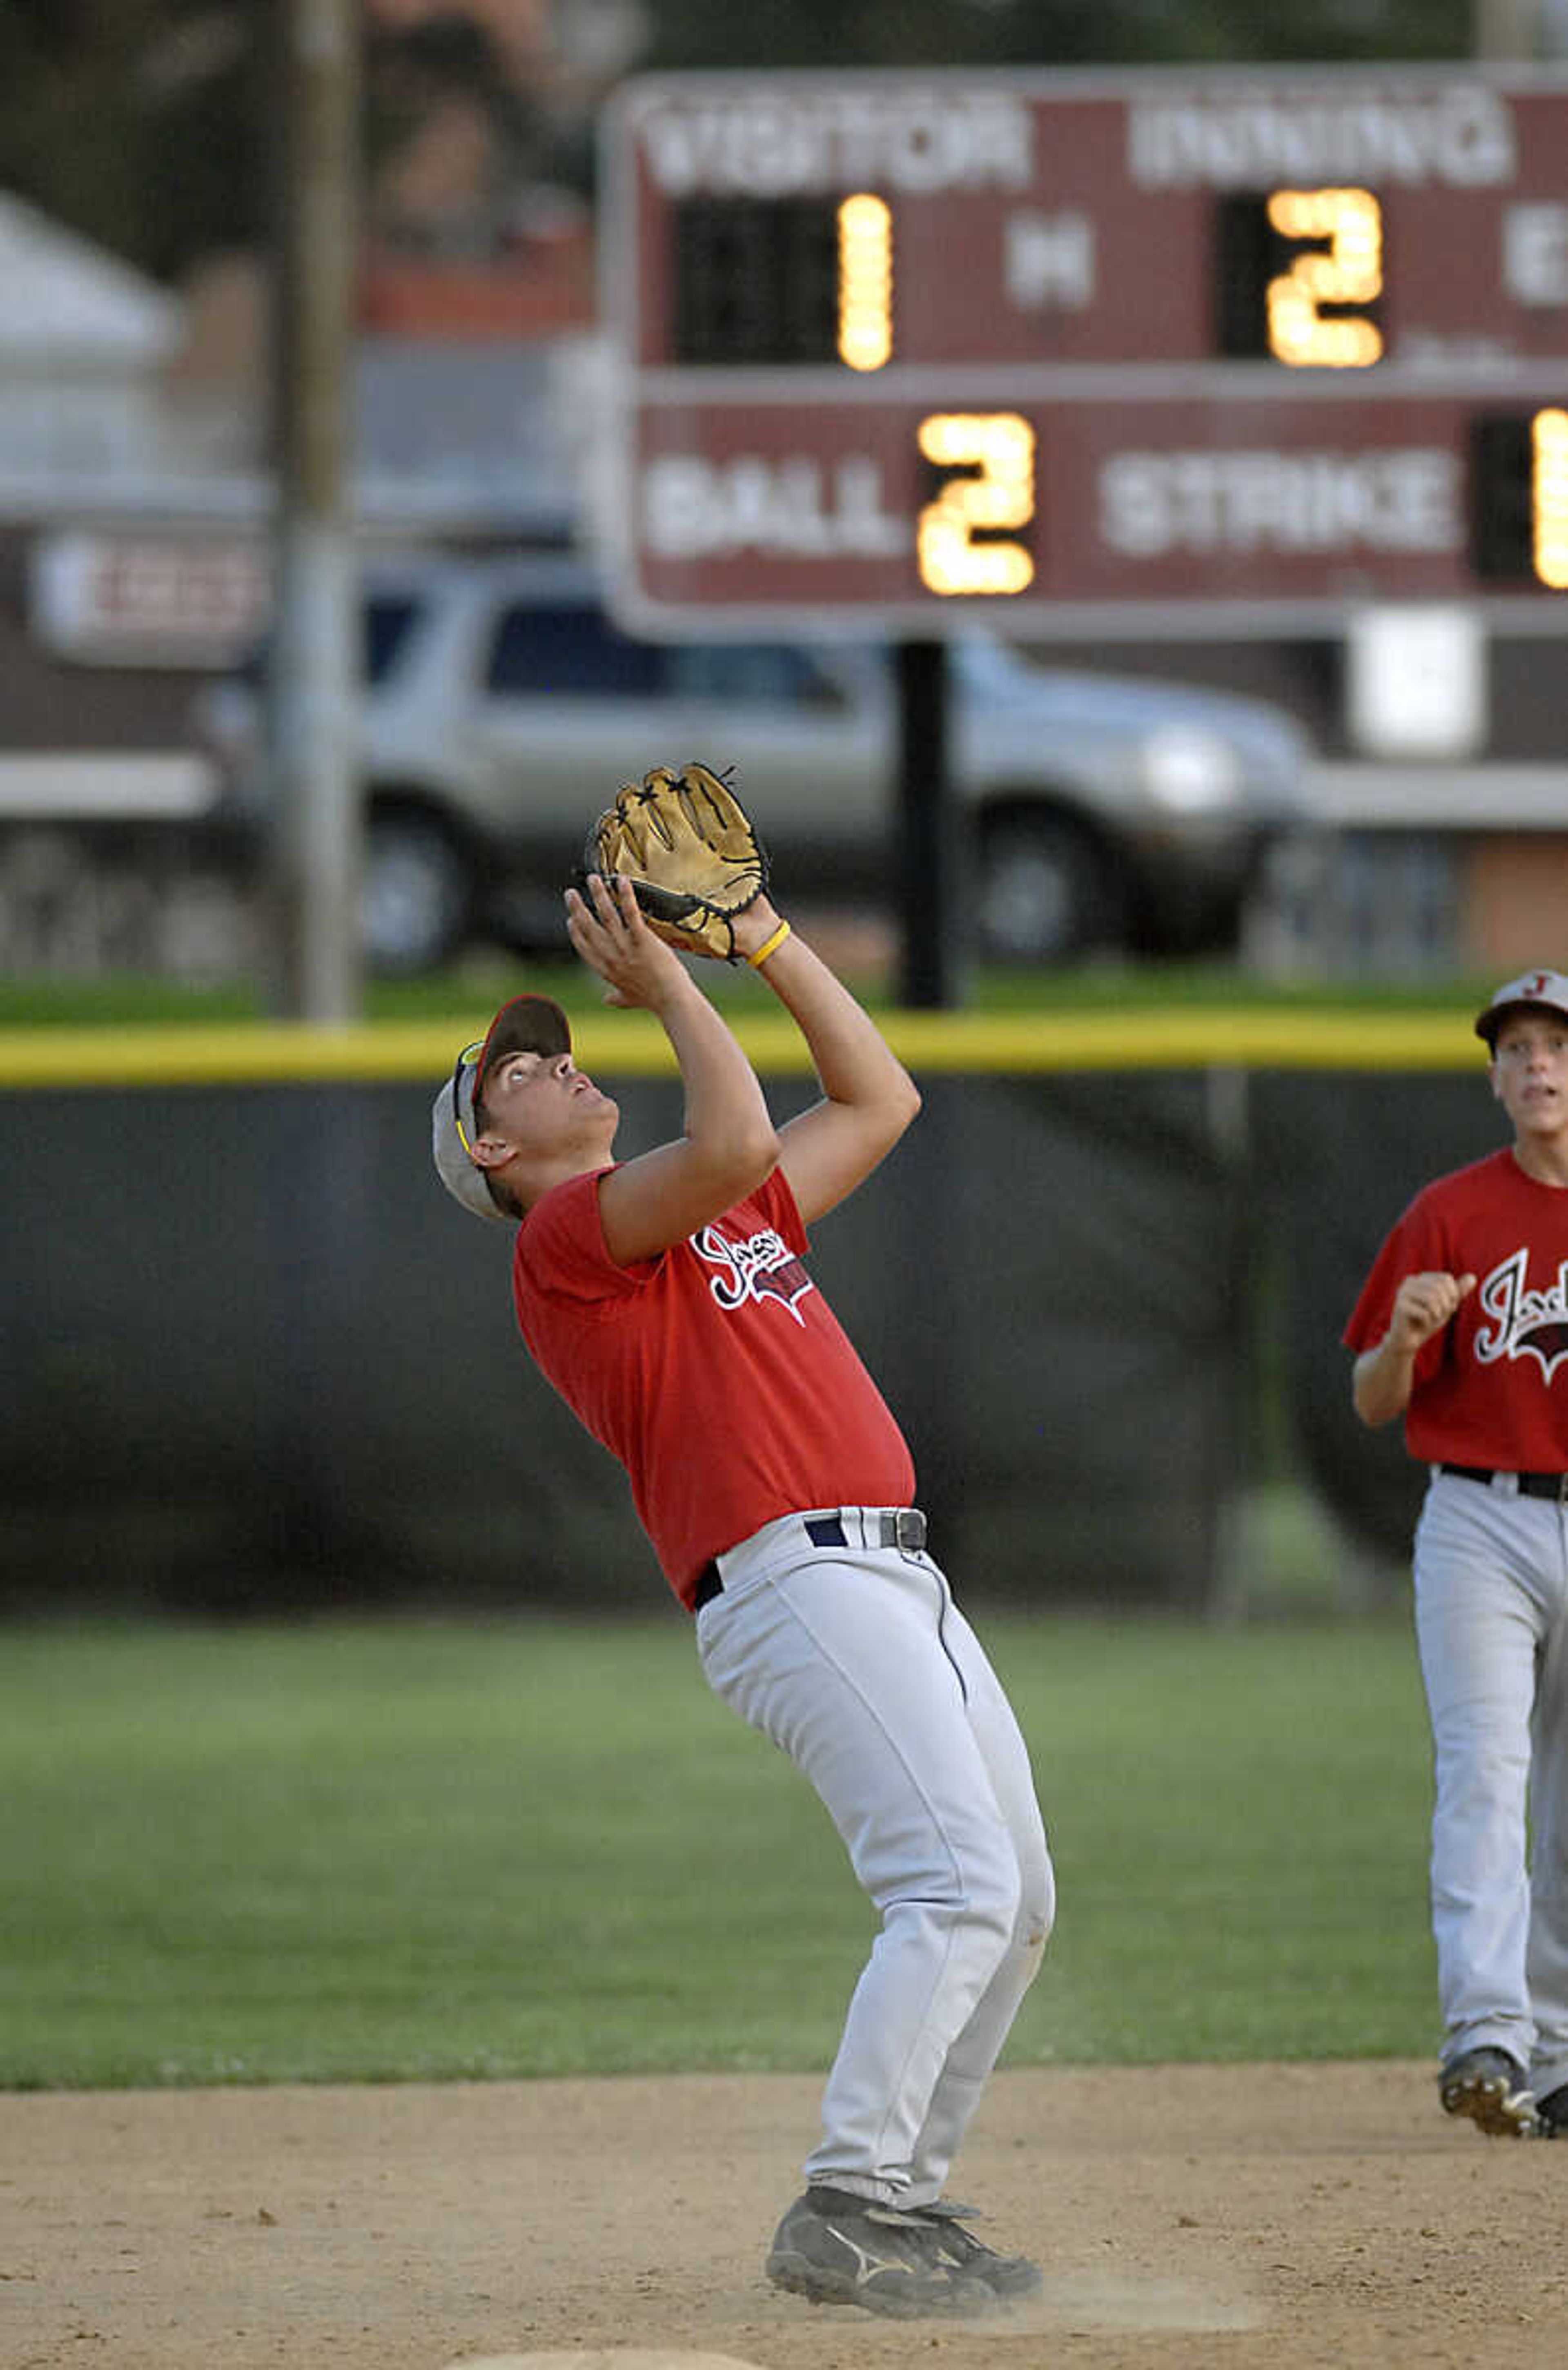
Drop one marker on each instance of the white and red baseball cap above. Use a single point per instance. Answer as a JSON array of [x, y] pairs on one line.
[[525, 1024], [1533, 991]]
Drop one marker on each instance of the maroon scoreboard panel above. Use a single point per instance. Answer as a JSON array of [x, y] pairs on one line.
[[1145, 353]]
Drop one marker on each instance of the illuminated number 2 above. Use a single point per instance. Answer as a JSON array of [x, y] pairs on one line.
[[997, 447], [1350, 273]]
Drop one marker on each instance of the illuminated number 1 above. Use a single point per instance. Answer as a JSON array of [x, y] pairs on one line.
[[865, 282], [1350, 273], [1549, 504], [999, 448]]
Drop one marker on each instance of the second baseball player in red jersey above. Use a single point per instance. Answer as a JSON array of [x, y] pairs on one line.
[[1462, 1329]]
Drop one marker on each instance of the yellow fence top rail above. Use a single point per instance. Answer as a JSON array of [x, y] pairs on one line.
[[633, 1045]]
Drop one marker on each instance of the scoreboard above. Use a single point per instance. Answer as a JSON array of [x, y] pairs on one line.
[[1143, 353]]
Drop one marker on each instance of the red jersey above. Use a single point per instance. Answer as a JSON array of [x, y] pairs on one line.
[[1490, 1387], [723, 1344]]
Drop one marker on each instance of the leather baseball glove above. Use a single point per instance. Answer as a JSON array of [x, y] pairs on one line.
[[690, 851]]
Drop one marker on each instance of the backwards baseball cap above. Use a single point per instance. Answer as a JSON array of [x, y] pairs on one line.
[[527, 1024], [1545, 991]]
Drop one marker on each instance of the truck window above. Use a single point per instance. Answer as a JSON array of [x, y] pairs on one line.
[[388, 619], [569, 653], [750, 675]]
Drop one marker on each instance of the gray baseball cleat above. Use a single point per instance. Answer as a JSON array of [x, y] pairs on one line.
[[1489, 2087], [833, 2248], [1009, 2276]]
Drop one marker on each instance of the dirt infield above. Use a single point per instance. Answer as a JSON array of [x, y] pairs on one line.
[[1187, 2219]]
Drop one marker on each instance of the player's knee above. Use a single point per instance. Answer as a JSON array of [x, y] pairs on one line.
[[993, 1892], [1037, 1909]]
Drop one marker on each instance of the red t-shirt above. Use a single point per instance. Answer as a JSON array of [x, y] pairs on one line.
[[1491, 1388], [716, 1371]]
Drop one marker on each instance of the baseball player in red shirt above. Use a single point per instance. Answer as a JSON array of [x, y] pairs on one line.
[[1463, 1327], [667, 1299]]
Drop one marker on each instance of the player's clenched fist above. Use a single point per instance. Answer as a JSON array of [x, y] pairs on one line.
[[1384, 1374], [1423, 1306]]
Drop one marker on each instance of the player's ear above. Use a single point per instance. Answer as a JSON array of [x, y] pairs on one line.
[[491, 1151]]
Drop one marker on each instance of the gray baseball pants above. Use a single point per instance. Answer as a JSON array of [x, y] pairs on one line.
[[855, 1662], [1492, 1625]]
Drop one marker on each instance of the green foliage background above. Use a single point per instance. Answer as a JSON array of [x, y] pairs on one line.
[[149, 125]]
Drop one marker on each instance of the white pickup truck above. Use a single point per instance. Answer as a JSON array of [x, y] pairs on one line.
[[503, 708]]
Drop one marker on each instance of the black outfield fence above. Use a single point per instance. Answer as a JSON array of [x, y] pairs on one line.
[[256, 1360]]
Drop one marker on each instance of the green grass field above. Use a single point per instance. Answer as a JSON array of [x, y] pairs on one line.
[[481, 982], [387, 1851]]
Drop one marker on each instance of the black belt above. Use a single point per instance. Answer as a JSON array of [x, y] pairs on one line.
[[1531, 1485], [896, 1526]]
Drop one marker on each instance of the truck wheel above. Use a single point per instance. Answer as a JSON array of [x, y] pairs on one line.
[[1046, 890], [416, 896]]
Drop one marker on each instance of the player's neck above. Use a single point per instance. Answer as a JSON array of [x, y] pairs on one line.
[[539, 1176], [1543, 1157]]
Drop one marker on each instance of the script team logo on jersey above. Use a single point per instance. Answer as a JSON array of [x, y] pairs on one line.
[[1525, 1324], [762, 1267]]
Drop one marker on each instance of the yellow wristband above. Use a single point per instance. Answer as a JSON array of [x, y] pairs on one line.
[[769, 945]]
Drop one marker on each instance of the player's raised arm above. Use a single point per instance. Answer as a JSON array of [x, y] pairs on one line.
[[728, 1145], [868, 1098], [699, 873]]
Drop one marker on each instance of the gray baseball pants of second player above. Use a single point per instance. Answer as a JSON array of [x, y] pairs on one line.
[[1492, 1624], [856, 1663]]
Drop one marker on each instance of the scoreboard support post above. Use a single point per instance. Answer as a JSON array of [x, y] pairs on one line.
[[928, 887]]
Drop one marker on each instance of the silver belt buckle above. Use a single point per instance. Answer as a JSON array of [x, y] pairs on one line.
[[909, 1528]]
